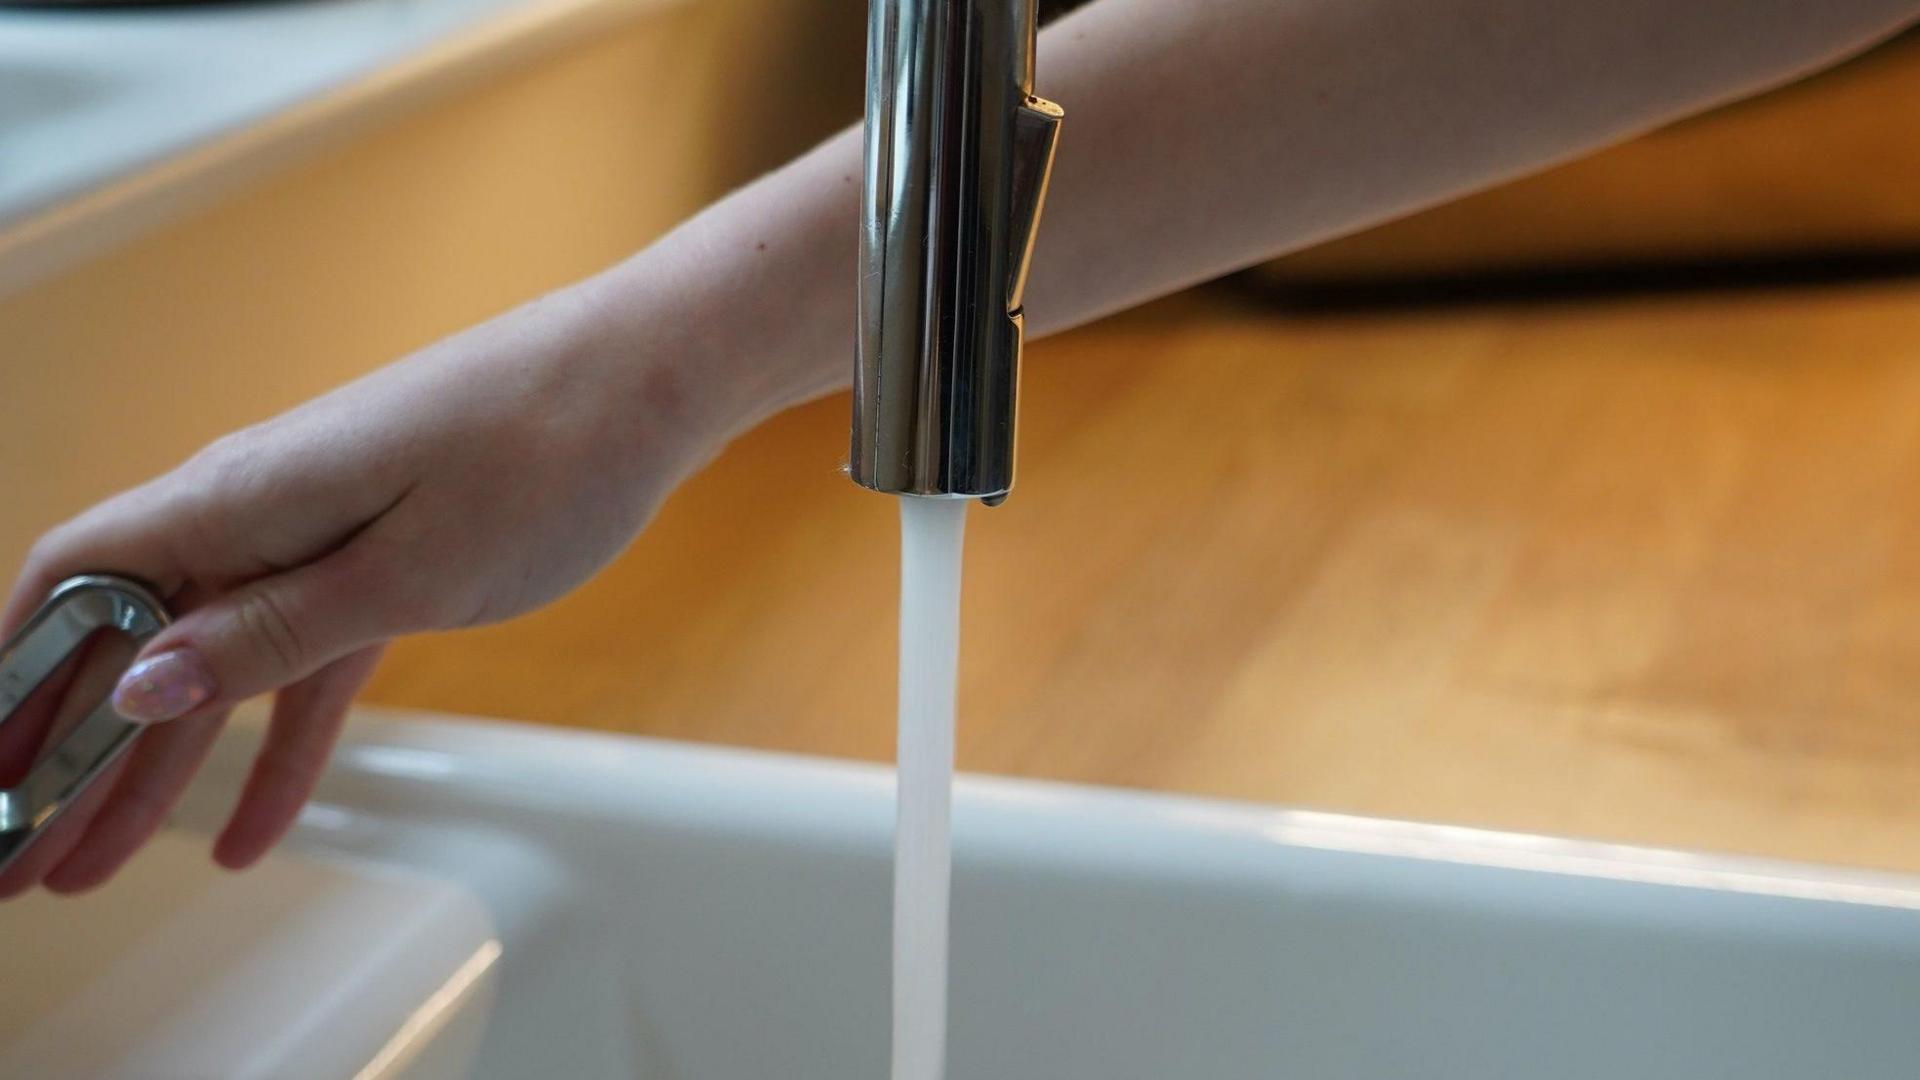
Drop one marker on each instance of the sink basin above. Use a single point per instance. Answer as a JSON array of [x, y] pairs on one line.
[[472, 899], [33, 95]]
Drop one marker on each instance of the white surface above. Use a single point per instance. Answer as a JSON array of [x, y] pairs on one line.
[[298, 970], [110, 118], [673, 913]]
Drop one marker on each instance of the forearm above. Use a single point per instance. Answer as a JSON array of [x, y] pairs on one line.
[[1205, 137]]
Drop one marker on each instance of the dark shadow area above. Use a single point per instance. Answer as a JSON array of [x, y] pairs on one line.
[[1577, 282]]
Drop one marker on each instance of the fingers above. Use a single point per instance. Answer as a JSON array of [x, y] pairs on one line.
[[262, 636], [89, 843], [157, 772], [307, 718]]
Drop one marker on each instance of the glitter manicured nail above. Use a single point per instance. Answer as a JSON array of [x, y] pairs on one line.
[[164, 687]]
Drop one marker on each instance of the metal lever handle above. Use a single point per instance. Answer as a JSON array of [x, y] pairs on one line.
[[1036, 131], [75, 609]]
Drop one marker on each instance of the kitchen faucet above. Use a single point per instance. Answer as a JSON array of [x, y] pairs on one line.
[[958, 154]]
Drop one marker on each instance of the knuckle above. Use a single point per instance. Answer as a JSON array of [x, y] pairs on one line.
[[204, 470], [223, 459], [48, 551], [228, 466], [223, 451], [264, 619], [59, 552], [200, 490]]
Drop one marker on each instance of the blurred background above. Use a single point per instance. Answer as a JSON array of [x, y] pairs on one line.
[[1589, 505]]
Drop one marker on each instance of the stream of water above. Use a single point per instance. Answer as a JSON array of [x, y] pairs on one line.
[[931, 539]]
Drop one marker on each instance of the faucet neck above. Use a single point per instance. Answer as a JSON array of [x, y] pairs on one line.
[[958, 153]]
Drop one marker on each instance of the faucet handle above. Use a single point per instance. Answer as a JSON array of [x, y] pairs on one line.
[[1036, 132], [73, 612]]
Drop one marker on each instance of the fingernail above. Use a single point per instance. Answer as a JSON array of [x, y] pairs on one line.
[[164, 687]]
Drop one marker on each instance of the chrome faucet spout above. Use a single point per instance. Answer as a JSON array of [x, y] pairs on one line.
[[958, 155]]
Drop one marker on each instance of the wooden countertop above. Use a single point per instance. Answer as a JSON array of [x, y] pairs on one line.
[[1641, 570]]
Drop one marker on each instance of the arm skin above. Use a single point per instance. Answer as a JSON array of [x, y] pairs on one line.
[[1205, 137], [495, 471]]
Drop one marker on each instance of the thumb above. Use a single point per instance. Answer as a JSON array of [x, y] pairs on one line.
[[257, 638]]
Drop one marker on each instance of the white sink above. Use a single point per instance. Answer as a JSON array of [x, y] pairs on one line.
[[487, 900]]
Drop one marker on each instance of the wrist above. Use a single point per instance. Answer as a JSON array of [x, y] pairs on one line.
[[748, 308]]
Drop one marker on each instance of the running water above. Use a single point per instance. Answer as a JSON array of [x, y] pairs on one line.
[[931, 532]]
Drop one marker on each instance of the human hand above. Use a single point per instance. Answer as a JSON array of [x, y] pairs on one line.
[[475, 480]]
